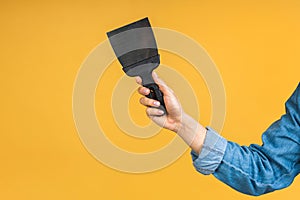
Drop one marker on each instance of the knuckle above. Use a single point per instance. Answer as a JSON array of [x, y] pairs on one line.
[[142, 100], [140, 90], [148, 112], [148, 101]]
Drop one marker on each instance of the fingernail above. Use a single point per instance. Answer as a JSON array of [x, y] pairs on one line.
[[156, 103], [146, 90], [161, 112]]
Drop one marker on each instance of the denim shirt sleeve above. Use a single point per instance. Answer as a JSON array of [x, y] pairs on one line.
[[211, 154], [256, 169]]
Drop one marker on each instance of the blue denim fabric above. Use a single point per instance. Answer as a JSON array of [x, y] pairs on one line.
[[256, 169]]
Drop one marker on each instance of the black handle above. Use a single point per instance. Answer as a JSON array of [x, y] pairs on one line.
[[156, 94]]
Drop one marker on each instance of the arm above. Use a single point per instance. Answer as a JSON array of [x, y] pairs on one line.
[[256, 169], [253, 170]]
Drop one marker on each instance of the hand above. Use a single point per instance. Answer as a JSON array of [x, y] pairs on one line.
[[173, 119]]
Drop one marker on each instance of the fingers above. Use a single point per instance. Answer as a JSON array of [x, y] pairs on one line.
[[152, 112], [143, 91], [162, 86], [149, 102]]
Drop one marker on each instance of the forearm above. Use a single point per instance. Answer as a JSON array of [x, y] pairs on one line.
[[191, 132]]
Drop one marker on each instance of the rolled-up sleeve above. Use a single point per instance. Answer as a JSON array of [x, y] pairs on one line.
[[256, 169], [212, 153]]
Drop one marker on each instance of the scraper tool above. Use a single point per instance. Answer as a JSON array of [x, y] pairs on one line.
[[136, 50]]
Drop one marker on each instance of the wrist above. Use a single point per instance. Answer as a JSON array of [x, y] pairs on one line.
[[185, 123], [179, 124], [192, 132]]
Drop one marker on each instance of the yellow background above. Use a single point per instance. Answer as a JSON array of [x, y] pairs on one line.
[[255, 45]]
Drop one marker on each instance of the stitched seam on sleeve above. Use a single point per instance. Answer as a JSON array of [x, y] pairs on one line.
[[256, 181], [219, 152]]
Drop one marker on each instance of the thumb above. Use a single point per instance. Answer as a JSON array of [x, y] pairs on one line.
[[162, 85]]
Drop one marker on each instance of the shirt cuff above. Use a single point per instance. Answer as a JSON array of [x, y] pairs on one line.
[[212, 153]]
